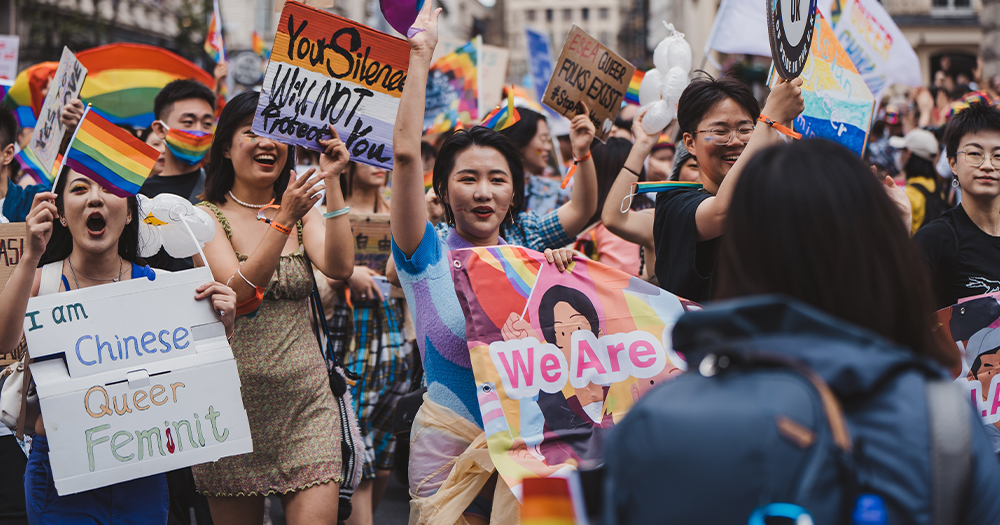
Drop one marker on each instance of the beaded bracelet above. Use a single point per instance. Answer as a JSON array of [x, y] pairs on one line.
[[337, 213]]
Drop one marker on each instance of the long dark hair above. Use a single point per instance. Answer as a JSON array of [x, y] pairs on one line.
[[61, 243], [609, 159], [485, 138], [810, 221], [219, 175], [523, 130], [576, 299]]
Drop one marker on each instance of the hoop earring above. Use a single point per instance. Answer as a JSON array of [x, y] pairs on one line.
[[954, 182], [62, 221]]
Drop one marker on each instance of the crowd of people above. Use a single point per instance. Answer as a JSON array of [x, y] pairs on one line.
[[800, 252]]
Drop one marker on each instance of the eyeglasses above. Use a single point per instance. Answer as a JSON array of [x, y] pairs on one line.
[[723, 136], [976, 159]]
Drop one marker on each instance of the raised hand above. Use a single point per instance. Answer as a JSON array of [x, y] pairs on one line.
[[581, 132], [641, 137], [423, 34], [39, 225], [302, 193], [335, 156], [785, 101]]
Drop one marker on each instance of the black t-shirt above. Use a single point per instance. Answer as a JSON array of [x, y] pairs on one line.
[[963, 259], [190, 186], [684, 266]]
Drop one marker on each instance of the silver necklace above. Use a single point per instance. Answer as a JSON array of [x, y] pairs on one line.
[[246, 204], [112, 280]]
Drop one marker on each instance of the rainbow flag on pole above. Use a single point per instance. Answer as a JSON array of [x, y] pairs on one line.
[[32, 166], [108, 154], [259, 47], [214, 45], [632, 95], [503, 117]]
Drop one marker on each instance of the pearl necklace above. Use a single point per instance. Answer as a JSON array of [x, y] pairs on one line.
[[246, 204]]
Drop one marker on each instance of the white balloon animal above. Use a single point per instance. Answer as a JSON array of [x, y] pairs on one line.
[[662, 86], [166, 221]]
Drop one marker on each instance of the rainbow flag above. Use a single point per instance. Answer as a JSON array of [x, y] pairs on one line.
[[547, 501], [25, 97], [259, 47], [124, 79], [453, 89], [503, 117], [110, 155], [5, 86], [32, 166], [656, 187], [215, 46], [632, 95]]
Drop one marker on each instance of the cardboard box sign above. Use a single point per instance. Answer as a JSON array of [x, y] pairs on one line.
[[325, 70], [588, 71], [11, 250], [49, 132], [163, 391], [372, 240]]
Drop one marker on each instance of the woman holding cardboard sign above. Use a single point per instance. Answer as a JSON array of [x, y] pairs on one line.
[[258, 202], [84, 236]]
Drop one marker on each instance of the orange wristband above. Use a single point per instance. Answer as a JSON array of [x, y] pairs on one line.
[[572, 170], [784, 130], [280, 228]]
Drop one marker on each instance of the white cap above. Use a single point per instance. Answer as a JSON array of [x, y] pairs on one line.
[[920, 142]]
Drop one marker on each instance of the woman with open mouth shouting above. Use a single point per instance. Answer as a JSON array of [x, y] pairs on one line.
[[77, 237], [267, 234], [479, 177]]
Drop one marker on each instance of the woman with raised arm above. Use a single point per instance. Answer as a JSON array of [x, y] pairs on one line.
[[268, 236], [78, 237], [479, 178]]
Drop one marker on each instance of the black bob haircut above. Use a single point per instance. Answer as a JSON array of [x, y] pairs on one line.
[[184, 89], [576, 299], [704, 92], [463, 140], [219, 175], [61, 243], [525, 129], [978, 117], [8, 127]]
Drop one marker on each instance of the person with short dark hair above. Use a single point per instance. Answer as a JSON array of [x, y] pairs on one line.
[[918, 155], [962, 247], [719, 122]]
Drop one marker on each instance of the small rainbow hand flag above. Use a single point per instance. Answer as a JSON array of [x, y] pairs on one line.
[[632, 95], [32, 166], [110, 155], [259, 47], [214, 44], [503, 117]]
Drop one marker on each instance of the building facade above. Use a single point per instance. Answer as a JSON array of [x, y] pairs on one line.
[[940, 29]]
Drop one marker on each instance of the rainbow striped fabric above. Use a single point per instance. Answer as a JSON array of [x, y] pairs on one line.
[[215, 46], [5, 86], [453, 89], [503, 117], [259, 47], [547, 501], [189, 147], [110, 155], [32, 166], [25, 96], [656, 187], [123, 80], [632, 95]]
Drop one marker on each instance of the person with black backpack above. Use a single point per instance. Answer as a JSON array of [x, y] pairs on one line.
[[817, 391], [918, 156]]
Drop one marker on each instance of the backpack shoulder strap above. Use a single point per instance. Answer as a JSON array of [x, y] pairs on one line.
[[951, 450], [51, 278]]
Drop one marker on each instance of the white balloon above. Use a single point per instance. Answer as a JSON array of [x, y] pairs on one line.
[[673, 85], [149, 239], [202, 225], [169, 208], [177, 241], [649, 89], [657, 118], [679, 55]]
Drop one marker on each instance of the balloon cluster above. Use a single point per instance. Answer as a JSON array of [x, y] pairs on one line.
[[662, 86], [163, 220]]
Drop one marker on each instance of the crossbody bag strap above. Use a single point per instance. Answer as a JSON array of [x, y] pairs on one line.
[[951, 450], [48, 284]]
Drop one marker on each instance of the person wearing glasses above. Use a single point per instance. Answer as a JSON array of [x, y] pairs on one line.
[[720, 121], [962, 247]]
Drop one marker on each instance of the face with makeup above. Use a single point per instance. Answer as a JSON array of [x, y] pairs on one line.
[[94, 217], [257, 161], [714, 160], [480, 192], [536, 153]]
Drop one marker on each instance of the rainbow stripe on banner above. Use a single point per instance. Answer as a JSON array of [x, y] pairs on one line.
[[503, 117], [632, 95], [110, 155], [32, 166]]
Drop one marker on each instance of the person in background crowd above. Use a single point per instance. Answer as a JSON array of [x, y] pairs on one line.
[[718, 119], [542, 192], [156, 142], [15, 200], [479, 178], [78, 237], [685, 168], [185, 113], [792, 298], [623, 122], [267, 256], [918, 153], [879, 153], [565, 150], [661, 159], [962, 247]]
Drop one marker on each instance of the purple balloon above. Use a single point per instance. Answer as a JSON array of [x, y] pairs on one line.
[[401, 13]]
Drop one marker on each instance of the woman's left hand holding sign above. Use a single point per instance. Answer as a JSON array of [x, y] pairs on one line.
[[39, 225], [223, 301]]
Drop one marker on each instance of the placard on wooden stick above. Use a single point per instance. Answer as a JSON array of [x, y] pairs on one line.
[[327, 70], [587, 71], [49, 132], [11, 250]]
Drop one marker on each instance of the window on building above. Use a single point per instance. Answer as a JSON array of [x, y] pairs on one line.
[[567, 14], [548, 15], [602, 13], [530, 15], [952, 5], [585, 13], [263, 19]]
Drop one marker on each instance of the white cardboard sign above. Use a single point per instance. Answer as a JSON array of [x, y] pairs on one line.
[[140, 413], [8, 56], [49, 131]]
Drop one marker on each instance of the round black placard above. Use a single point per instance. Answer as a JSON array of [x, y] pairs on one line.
[[790, 30]]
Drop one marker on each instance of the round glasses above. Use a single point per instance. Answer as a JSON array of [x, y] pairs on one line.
[[976, 159], [723, 136]]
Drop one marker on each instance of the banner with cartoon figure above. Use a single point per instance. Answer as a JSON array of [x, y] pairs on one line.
[[559, 357], [974, 325]]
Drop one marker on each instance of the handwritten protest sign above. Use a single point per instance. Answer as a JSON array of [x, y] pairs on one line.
[[8, 56], [325, 70], [838, 104], [492, 70], [11, 250], [559, 357], [49, 131], [453, 89], [587, 71], [148, 382], [372, 240]]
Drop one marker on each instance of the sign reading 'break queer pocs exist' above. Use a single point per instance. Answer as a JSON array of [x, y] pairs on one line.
[[325, 70]]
